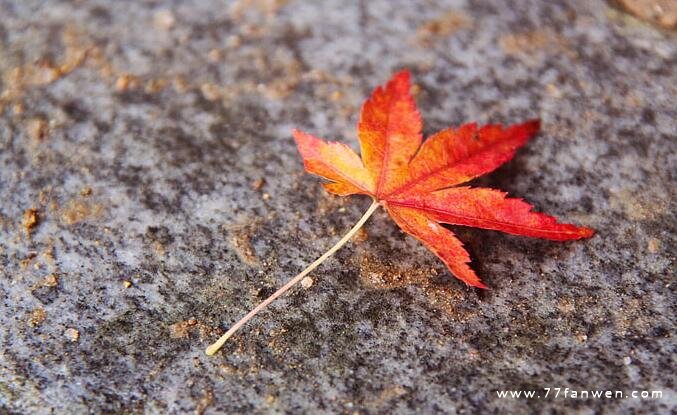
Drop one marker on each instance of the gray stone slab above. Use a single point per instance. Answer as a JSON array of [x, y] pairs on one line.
[[152, 139]]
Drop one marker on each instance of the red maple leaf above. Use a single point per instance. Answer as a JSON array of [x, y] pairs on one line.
[[417, 181]]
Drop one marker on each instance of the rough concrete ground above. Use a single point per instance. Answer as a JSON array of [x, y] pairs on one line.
[[151, 195]]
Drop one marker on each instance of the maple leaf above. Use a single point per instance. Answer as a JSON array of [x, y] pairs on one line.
[[417, 181], [413, 179]]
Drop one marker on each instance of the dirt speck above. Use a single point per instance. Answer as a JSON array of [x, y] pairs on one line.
[[52, 280], [43, 71], [215, 55], [566, 306], [186, 328], [638, 206], [241, 241], [552, 90], [307, 282], [37, 128], [336, 96], [153, 86], [164, 19], [210, 92], [77, 210], [386, 395], [204, 402], [37, 317], [654, 245], [31, 219], [660, 12], [233, 41], [360, 236], [525, 44], [270, 7], [71, 334], [382, 275], [377, 274], [181, 84], [258, 184], [228, 369], [126, 82], [441, 27], [26, 261], [520, 42], [181, 329]]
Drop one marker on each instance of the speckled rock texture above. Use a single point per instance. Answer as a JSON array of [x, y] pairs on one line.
[[152, 194]]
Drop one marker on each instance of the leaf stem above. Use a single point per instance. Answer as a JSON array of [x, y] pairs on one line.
[[217, 345]]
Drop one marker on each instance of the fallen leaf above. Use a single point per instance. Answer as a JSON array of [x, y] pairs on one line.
[[417, 181], [413, 180]]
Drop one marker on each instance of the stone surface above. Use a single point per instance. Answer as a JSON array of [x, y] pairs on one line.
[[660, 12], [152, 194]]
